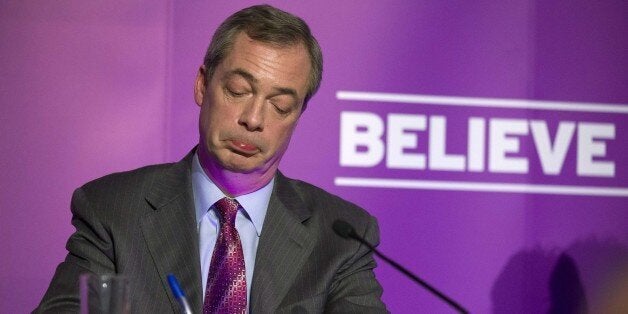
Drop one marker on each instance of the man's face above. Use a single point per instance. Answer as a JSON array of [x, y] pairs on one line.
[[251, 105]]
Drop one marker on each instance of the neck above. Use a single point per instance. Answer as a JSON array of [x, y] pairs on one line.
[[234, 184]]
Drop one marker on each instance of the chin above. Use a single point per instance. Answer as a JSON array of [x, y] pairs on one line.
[[241, 167]]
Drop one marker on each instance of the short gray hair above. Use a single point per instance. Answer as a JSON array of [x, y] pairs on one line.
[[266, 24]]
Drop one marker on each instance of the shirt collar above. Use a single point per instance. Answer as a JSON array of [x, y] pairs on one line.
[[206, 194]]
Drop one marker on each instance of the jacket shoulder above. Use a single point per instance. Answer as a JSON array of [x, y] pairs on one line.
[[322, 202], [135, 179]]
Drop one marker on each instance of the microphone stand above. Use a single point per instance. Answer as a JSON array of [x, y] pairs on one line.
[[345, 230]]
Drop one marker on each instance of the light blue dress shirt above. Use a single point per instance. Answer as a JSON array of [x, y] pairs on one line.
[[249, 221]]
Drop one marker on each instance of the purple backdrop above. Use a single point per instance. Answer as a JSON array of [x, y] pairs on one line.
[[88, 89]]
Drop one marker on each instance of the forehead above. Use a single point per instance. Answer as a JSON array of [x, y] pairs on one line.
[[282, 66]]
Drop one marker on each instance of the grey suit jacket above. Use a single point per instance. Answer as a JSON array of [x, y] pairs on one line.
[[141, 223]]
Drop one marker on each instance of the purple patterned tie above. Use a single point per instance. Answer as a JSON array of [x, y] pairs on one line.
[[226, 281]]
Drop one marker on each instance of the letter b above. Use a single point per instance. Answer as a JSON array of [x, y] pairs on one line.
[[361, 130]]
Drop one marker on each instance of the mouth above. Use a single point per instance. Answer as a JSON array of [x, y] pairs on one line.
[[243, 148]]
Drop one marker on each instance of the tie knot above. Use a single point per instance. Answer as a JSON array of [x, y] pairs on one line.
[[227, 209]]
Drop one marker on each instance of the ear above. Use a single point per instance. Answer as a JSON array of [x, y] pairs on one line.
[[200, 86]]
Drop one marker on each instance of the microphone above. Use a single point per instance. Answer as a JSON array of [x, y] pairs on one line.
[[346, 230]]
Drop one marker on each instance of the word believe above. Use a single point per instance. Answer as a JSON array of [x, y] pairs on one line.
[[362, 144]]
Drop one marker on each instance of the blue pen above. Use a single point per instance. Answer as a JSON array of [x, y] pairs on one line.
[[178, 293]]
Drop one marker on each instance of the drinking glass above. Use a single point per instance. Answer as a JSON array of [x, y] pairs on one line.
[[104, 294]]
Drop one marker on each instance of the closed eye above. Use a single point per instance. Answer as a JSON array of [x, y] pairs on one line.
[[235, 93], [281, 111]]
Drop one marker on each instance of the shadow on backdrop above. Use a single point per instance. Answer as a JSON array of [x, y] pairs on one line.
[[565, 288], [590, 276]]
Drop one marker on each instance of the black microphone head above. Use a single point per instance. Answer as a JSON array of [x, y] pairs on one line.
[[343, 229]]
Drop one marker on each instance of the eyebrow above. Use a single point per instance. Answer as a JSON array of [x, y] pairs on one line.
[[246, 75], [249, 77]]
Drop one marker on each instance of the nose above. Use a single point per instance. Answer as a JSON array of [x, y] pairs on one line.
[[252, 116]]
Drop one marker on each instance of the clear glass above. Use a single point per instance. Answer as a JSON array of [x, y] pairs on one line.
[[104, 294]]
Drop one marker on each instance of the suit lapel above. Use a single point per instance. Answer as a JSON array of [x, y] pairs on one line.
[[284, 246], [170, 231]]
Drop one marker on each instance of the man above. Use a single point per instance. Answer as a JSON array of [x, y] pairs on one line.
[[238, 235]]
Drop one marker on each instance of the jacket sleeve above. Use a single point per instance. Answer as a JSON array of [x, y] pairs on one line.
[[355, 289], [90, 250]]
